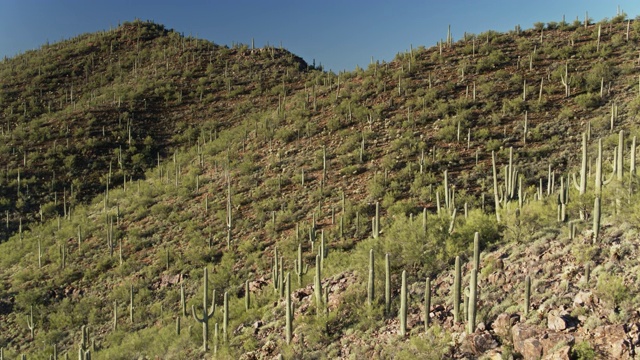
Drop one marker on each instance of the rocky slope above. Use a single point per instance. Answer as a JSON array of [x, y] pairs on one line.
[[297, 155]]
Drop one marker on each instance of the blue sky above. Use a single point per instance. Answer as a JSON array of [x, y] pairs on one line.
[[339, 34]]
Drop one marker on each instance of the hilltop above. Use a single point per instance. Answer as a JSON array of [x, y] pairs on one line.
[[136, 157]]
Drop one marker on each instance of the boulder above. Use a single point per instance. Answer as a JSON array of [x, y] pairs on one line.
[[503, 323], [531, 349], [552, 342], [612, 340], [519, 334], [583, 298], [561, 321], [479, 343], [562, 353]]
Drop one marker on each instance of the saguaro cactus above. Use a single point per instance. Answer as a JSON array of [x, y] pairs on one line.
[[131, 303], [427, 303], [403, 305], [563, 198], [476, 251], [183, 302], [229, 212], [495, 186], [275, 271], [473, 285], [456, 290], [370, 284], [288, 310], [620, 157], [115, 315], [299, 268], [376, 222], [596, 218], [599, 179], [318, 285], [225, 319], [632, 161], [387, 285], [30, 323], [83, 350], [527, 294], [206, 315], [447, 194], [247, 298], [582, 186]]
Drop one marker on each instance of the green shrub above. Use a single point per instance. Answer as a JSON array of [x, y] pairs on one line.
[[285, 134], [434, 345], [583, 351], [462, 238], [611, 289], [588, 101], [493, 145]]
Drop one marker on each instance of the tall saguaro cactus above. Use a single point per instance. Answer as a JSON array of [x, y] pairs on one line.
[[403, 305], [229, 211], [473, 285], [596, 218], [620, 156], [370, 284], [495, 186], [456, 290], [288, 310], [582, 186], [376, 222], [599, 178], [183, 302], [299, 268], [632, 161], [387, 285], [318, 285], [131, 303], [83, 350], [247, 298], [427, 303], [527, 294], [206, 315], [30, 323], [476, 251], [225, 319], [447, 194]]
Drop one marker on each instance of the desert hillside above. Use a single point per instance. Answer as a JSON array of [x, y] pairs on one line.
[[168, 197]]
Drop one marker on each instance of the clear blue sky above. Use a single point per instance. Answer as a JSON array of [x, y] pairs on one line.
[[339, 34]]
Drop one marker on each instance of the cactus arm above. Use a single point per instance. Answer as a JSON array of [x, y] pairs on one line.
[[193, 312], [575, 182], [495, 186], [212, 309]]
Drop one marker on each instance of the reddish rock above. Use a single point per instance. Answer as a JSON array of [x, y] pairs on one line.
[[553, 341], [301, 293], [497, 278], [531, 349], [479, 343], [612, 339], [520, 333], [583, 299], [563, 353], [257, 285], [560, 321], [503, 323], [166, 280]]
